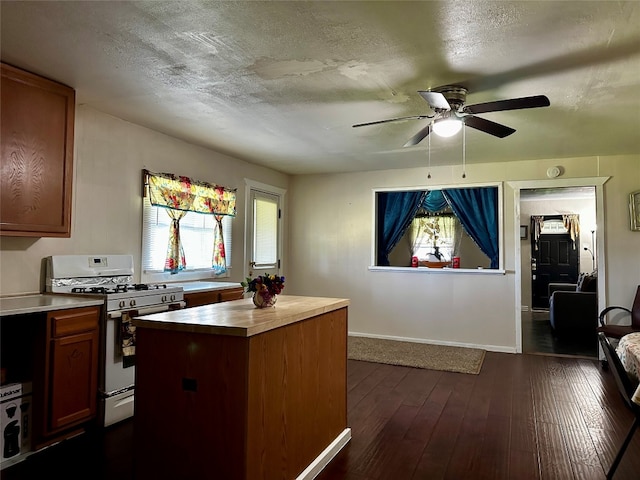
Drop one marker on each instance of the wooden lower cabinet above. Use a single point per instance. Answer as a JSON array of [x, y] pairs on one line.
[[197, 299], [68, 397]]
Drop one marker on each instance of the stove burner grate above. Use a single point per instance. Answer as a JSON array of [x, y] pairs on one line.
[[146, 286], [121, 288], [100, 290]]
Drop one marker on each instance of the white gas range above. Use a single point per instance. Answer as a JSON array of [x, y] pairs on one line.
[[111, 277]]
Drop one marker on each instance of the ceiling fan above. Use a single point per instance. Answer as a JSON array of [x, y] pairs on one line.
[[447, 102]]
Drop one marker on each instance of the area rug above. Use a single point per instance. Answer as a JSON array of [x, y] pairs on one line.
[[417, 355]]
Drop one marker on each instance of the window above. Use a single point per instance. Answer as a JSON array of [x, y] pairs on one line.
[[265, 229], [196, 233], [435, 236], [264, 214], [439, 224]]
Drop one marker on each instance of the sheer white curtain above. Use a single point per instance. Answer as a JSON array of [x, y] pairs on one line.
[[442, 231], [417, 234]]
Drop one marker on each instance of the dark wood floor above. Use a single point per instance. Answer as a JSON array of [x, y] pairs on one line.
[[523, 417], [539, 337]]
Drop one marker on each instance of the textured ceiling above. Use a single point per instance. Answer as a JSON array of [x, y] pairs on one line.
[[282, 83]]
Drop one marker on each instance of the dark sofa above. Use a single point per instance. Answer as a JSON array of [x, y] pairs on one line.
[[573, 308]]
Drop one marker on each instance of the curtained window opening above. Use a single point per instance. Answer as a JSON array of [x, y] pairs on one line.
[[180, 197], [423, 216], [197, 237]]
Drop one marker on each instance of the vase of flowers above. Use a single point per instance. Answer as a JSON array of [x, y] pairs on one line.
[[265, 288]]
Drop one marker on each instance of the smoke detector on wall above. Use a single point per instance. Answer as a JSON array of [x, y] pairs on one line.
[[553, 172]]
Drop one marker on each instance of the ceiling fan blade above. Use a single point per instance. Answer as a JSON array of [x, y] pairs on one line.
[[511, 104], [487, 126], [435, 100], [418, 137], [399, 119]]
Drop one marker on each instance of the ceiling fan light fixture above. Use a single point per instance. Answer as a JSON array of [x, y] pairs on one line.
[[447, 127]]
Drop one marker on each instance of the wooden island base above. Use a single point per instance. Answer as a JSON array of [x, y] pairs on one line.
[[260, 397]]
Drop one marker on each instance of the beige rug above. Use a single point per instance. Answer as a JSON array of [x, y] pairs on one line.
[[418, 355]]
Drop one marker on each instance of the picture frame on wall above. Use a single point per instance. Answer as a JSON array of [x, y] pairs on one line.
[[524, 232], [634, 210]]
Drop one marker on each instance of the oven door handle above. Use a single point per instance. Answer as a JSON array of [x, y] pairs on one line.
[[148, 310]]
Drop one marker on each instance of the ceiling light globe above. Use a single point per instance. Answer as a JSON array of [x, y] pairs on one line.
[[447, 128]]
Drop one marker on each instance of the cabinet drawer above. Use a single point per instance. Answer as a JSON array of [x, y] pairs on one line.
[[198, 299], [77, 320], [231, 294]]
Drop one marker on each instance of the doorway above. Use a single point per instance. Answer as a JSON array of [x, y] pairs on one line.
[[263, 231], [556, 259]]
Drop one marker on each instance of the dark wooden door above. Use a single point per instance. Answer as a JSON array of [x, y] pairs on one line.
[[554, 261]]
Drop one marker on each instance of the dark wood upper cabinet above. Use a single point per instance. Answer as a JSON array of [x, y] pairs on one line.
[[37, 119]]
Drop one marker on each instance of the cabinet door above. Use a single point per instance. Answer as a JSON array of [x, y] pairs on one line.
[[72, 369], [36, 125], [74, 386]]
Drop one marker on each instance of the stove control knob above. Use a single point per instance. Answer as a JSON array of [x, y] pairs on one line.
[[122, 303], [164, 298], [173, 298], [132, 303]]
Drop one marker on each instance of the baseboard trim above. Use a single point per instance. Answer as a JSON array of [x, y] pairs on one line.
[[489, 348], [326, 456]]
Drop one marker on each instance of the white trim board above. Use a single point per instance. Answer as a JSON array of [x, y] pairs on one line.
[[326, 456], [489, 348]]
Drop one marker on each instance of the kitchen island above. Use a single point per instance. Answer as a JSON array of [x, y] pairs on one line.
[[235, 392]]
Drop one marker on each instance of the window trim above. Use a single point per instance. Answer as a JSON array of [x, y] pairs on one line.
[[501, 233]]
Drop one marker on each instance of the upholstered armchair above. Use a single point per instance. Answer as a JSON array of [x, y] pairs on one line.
[[573, 308]]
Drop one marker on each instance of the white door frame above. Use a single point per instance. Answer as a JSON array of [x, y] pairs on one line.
[[254, 186]]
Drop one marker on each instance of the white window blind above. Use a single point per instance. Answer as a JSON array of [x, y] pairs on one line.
[[265, 230], [196, 233]]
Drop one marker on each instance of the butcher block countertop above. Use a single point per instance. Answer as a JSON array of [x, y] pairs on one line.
[[35, 303], [240, 317]]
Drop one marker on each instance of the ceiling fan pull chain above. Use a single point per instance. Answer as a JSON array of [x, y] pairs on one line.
[[464, 153], [429, 149]]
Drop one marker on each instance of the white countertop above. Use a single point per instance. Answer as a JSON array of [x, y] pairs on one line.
[[34, 303], [203, 286]]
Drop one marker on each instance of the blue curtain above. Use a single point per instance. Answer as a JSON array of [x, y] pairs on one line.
[[434, 202], [477, 210], [395, 212]]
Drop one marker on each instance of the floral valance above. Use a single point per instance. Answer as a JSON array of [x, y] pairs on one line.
[[183, 193]]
